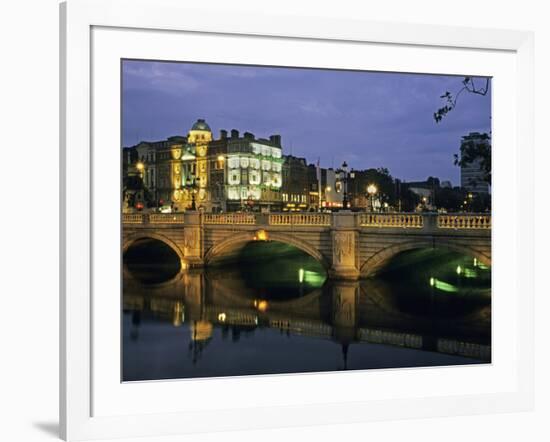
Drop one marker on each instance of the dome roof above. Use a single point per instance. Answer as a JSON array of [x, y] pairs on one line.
[[201, 125]]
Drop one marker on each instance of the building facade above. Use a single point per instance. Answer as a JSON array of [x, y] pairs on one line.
[[199, 172]]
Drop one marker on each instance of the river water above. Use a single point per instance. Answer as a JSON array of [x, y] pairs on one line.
[[274, 311]]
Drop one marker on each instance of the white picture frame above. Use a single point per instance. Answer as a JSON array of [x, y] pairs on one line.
[[80, 375]]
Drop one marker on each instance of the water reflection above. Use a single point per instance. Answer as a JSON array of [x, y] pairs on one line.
[[226, 322]]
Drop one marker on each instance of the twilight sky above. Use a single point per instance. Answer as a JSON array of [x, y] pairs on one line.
[[368, 119]]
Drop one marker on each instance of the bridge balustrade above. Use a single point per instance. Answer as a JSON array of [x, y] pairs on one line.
[[166, 218], [464, 221], [132, 218], [300, 219], [380, 220], [403, 220], [229, 218]]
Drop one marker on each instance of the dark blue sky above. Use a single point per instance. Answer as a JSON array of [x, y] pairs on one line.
[[368, 119]]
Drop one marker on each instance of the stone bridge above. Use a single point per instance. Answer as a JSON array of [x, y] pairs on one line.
[[349, 245]]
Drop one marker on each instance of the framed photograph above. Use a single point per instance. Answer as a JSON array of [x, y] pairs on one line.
[[326, 221]]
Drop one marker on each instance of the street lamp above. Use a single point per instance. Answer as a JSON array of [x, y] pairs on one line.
[[191, 184], [372, 190], [140, 167], [345, 180]]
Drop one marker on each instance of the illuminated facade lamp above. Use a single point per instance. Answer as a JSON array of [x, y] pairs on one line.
[[261, 235]]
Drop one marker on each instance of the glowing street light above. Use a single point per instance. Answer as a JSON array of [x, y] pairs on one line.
[[140, 167], [372, 190]]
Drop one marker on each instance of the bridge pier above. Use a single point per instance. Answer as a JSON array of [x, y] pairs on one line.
[[344, 240], [192, 240]]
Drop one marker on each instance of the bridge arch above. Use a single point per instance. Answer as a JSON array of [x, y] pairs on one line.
[[233, 242], [131, 239], [377, 261]]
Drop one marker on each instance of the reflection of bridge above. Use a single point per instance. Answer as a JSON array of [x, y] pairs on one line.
[[345, 312], [349, 245]]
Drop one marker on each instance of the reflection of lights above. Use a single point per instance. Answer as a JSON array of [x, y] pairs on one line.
[[179, 314], [469, 273], [458, 270], [201, 331], [445, 287], [482, 266], [261, 305], [301, 275], [221, 317], [475, 262]]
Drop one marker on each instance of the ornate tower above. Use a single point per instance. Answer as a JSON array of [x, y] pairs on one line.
[[199, 136]]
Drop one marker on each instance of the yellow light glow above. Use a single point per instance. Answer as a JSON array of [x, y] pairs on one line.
[[261, 235], [222, 317], [458, 270], [301, 275], [328, 189], [140, 166], [372, 189], [261, 305], [432, 281], [221, 158]]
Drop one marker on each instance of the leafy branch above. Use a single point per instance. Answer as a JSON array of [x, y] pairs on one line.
[[468, 85]]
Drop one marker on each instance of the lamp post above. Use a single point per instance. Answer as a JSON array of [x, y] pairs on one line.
[[191, 185], [371, 191], [345, 180]]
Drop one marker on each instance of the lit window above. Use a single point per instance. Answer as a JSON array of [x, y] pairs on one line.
[[234, 176]]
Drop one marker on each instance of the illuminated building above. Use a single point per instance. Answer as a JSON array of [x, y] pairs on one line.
[[199, 172], [332, 188], [254, 172]]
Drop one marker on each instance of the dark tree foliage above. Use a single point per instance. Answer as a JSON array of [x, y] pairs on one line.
[[450, 100], [409, 201], [457, 199], [451, 199], [470, 152], [477, 152]]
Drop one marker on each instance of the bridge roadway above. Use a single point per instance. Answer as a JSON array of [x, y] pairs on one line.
[[349, 245]]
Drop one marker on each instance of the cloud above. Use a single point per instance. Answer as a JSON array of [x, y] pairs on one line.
[[369, 119]]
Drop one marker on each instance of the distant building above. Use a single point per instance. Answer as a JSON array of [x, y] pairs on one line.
[[295, 189], [425, 190], [472, 177]]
